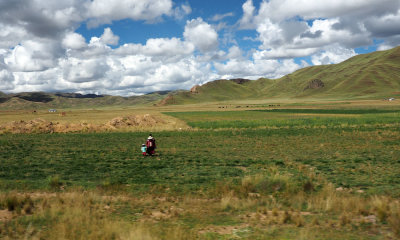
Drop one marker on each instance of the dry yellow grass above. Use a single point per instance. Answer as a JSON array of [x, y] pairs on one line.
[[82, 215], [140, 122], [94, 214]]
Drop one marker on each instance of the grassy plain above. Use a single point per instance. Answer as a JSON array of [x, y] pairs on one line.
[[93, 116], [303, 171]]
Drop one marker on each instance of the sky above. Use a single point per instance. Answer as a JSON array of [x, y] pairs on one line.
[[133, 47]]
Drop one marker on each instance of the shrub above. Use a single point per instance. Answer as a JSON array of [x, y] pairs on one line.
[[308, 187], [298, 220], [265, 184], [381, 208], [12, 203], [286, 218], [17, 203], [54, 182]]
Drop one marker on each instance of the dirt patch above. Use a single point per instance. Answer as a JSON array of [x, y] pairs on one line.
[[370, 219], [224, 230], [167, 101], [274, 216], [244, 169], [158, 215], [146, 120], [5, 215], [39, 125], [38, 195]]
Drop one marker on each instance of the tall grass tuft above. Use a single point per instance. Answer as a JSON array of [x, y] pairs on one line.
[[394, 220], [54, 182], [381, 207], [18, 203], [267, 184], [81, 215]]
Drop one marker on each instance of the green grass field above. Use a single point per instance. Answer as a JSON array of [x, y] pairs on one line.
[[356, 158], [275, 174], [303, 118]]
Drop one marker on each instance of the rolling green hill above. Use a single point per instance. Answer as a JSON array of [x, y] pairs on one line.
[[366, 76]]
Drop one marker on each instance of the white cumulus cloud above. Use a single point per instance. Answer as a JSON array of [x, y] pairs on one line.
[[201, 34], [105, 11], [247, 21], [41, 50], [74, 40], [34, 55], [79, 70], [6, 76], [109, 38], [332, 54]]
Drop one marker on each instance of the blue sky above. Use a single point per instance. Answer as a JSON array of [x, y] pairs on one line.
[[139, 31], [132, 47]]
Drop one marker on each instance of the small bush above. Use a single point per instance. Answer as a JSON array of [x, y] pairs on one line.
[[286, 218], [229, 202], [277, 183], [308, 187], [28, 208], [146, 212], [298, 220], [381, 208], [17, 203], [54, 182], [12, 203], [264, 184], [28, 205], [275, 212]]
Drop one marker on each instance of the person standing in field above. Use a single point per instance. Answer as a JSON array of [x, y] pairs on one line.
[[144, 149], [151, 145]]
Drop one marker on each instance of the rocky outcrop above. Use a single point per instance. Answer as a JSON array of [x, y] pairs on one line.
[[315, 84], [240, 80], [195, 89]]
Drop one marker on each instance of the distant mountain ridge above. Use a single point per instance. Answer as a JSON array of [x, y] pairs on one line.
[[78, 95], [365, 76], [42, 100]]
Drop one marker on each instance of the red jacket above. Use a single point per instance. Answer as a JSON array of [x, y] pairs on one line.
[[151, 142]]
